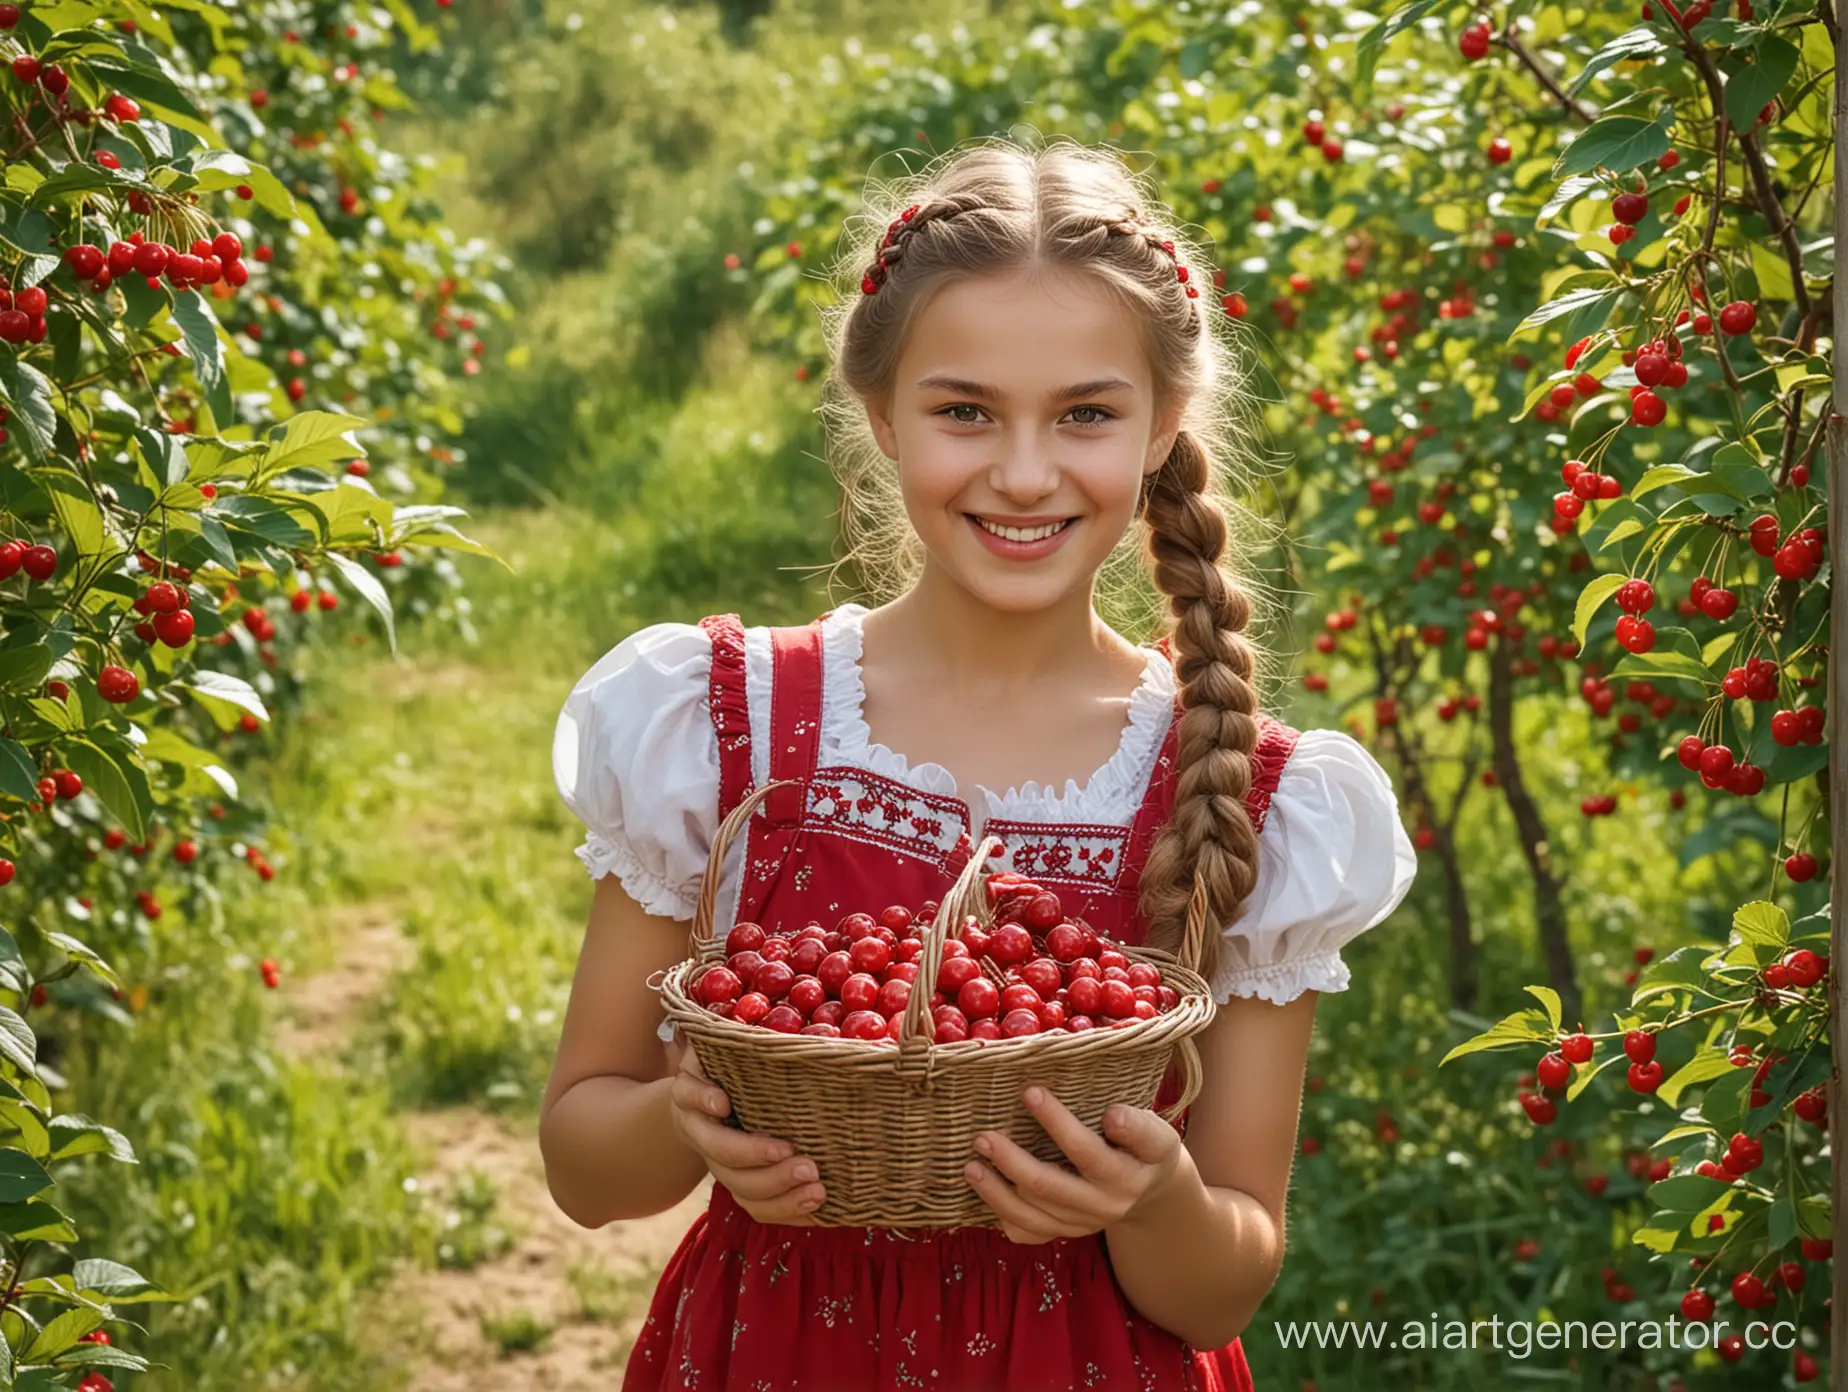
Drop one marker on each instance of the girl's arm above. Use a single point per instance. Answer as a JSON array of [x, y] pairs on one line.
[[1199, 1259], [610, 1145]]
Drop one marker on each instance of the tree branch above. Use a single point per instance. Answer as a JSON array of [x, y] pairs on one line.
[[1508, 40]]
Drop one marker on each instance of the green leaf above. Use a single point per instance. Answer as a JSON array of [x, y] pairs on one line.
[[1640, 42], [1723, 1106], [105, 777], [61, 1334], [1813, 1216], [111, 1280], [1781, 1222], [1591, 598], [1583, 1077], [1740, 472], [21, 1176], [309, 440], [82, 952], [1762, 924], [1659, 475], [18, 774], [1549, 1001], [1374, 41], [1664, 666], [1619, 143], [36, 1221], [1689, 1193], [1521, 1028], [159, 94], [1711, 1062], [76, 1135], [369, 588], [1757, 81], [222, 169], [1681, 969], [1658, 1239], [227, 699], [18, 1045], [1591, 301], [82, 520], [199, 331], [27, 393], [1725, 830]]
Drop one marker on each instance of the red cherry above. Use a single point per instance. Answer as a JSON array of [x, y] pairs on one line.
[[1718, 604], [751, 1008], [1576, 1048], [1738, 317], [175, 630], [1044, 911], [978, 999], [717, 984], [1019, 1023], [1119, 1000], [117, 685], [1085, 996], [1010, 944], [1697, 1305], [870, 955], [1630, 208], [1645, 1077], [774, 979], [1648, 409], [892, 998], [1553, 1071], [40, 562], [860, 991], [1748, 1290], [1043, 975], [1640, 1045]]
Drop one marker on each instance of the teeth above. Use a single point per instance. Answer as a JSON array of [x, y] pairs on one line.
[[1021, 533]]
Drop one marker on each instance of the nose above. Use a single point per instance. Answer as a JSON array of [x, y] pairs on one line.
[[1026, 470]]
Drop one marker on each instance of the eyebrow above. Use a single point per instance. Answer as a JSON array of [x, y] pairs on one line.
[[983, 392]]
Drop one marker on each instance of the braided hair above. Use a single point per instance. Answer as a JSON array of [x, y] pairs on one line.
[[996, 207]]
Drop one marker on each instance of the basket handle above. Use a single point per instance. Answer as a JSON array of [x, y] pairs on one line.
[[952, 910], [1186, 1051], [728, 831]]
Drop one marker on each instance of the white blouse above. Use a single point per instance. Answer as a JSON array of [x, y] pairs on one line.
[[634, 755]]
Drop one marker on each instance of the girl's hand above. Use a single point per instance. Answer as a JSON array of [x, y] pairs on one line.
[[1116, 1177], [770, 1181]]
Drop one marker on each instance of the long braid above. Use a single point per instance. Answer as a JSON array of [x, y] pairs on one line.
[[1209, 840]]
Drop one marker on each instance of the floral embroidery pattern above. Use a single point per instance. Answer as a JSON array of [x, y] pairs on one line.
[[1088, 856], [876, 811]]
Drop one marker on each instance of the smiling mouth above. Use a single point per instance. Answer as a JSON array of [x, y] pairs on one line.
[[1021, 533]]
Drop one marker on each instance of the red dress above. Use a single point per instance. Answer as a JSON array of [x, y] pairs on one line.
[[750, 1307]]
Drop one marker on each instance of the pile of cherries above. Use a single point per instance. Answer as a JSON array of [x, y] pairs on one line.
[[1034, 971]]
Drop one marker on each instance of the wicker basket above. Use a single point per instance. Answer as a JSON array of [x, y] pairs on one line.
[[890, 1126]]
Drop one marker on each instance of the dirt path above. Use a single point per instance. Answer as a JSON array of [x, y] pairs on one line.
[[558, 1308]]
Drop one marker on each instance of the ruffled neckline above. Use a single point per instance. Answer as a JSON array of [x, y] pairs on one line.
[[1109, 796]]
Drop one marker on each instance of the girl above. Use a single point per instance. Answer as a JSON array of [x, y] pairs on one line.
[[1025, 386]]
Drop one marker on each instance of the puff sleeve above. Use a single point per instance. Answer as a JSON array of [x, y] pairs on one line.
[[634, 755], [1333, 860]]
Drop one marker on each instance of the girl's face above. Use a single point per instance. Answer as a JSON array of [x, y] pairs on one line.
[[1023, 420]]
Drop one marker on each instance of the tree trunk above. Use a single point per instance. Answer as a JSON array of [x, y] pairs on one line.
[[1548, 910]]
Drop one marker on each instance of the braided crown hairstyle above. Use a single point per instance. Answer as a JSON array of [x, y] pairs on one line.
[[995, 207]]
